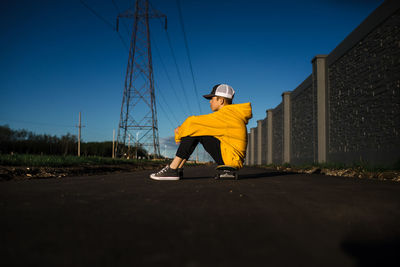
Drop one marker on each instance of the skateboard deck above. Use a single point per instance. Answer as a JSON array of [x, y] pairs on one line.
[[225, 171]]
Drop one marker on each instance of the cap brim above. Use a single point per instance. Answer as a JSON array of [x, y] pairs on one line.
[[209, 96]]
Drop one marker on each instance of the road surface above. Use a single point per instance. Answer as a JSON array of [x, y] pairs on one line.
[[266, 218]]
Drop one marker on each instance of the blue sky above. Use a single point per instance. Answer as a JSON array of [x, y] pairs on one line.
[[58, 59]]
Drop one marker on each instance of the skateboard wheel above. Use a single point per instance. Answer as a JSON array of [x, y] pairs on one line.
[[216, 177]]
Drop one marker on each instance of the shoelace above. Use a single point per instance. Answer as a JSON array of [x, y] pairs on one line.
[[163, 170]]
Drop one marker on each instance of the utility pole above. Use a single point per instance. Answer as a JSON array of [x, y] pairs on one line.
[[113, 145], [138, 109], [79, 135], [137, 143], [129, 145]]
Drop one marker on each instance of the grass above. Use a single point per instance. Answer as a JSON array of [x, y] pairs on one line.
[[61, 161]]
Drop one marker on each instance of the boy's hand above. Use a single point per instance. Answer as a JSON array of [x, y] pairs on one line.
[[177, 130]]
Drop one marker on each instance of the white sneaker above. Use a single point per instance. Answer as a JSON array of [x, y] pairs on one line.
[[166, 174]]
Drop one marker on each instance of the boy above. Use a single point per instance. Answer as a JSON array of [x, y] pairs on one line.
[[222, 133]]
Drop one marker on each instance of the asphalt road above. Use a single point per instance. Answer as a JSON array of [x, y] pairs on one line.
[[265, 219]]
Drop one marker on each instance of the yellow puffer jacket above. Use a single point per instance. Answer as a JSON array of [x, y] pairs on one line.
[[228, 125]]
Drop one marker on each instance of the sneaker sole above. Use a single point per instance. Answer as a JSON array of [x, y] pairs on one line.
[[170, 178]]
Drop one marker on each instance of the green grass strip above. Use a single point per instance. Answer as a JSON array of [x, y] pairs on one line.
[[61, 161]]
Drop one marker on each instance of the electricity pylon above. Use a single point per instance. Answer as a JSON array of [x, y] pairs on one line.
[[138, 110]]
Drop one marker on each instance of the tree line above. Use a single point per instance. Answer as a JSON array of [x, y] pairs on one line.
[[26, 142]]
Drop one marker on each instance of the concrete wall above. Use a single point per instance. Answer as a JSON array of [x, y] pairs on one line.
[[302, 122], [348, 109], [252, 146], [364, 97], [277, 135], [263, 138]]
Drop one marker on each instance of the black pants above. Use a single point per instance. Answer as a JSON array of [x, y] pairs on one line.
[[211, 144]]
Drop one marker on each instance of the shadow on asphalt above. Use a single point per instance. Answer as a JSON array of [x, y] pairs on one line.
[[196, 178], [243, 176], [262, 175], [373, 252]]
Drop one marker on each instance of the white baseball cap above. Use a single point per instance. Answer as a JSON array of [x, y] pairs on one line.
[[223, 90]]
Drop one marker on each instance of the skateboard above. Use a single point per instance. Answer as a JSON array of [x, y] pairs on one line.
[[225, 171]]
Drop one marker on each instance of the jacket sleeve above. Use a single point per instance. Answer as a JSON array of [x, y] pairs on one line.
[[210, 124]]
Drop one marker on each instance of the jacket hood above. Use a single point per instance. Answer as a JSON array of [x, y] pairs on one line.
[[242, 111]]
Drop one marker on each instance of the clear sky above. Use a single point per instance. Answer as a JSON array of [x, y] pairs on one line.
[[58, 59]]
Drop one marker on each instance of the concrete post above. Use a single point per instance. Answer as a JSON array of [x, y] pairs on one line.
[[321, 83], [247, 161], [252, 146], [286, 127], [248, 148], [259, 141], [269, 136]]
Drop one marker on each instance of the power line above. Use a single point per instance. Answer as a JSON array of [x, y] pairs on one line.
[[53, 125], [188, 54], [165, 113], [166, 103], [126, 27], [166, 73], [176, 66], [119, 12], [105, 21], [39, 123], [123, 41], [177, 70], [98, 15]]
